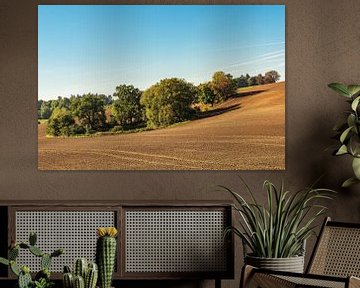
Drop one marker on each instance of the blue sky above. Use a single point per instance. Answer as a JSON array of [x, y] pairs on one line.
[[94, 48]]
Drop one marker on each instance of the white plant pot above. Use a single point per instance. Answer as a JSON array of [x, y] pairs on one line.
[[291, 264]]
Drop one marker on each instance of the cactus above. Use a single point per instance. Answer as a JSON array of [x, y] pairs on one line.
[[80, 268], [24, 245], [57, 253], [44, 273], [67, 269], [106, 254], [4, 261], [24, 278], [13, 253], [68, 280], [79, 282], [91, 276], [36, 251], [87, 272], [14, 268], [32, 238], [45, 261]]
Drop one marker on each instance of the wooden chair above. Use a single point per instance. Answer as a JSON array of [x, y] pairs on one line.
[[335, 262]]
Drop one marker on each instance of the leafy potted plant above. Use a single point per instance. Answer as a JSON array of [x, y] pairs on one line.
[[349, 131], [276, 233]]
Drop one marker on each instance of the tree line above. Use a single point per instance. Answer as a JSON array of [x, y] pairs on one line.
[[167, 102]]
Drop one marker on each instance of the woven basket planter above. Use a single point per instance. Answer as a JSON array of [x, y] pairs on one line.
[[291, 264]]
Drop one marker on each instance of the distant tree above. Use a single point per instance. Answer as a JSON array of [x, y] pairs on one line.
[[60, 102], [90, 111], [108, 100], [271, 76], [253, 81], [168, 101], [222, 85], [260, 79], [127, 109], [241, 81], [45, 112], [205, 93], [60, 123], [39, 103]]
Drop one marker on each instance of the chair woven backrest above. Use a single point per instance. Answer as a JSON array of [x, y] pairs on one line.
[[337, 252]]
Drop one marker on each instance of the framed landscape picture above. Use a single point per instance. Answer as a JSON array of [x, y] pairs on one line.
[[161, 87]]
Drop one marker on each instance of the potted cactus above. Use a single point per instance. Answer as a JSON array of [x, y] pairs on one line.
[[106, 254], [85, 275], [42, 278]]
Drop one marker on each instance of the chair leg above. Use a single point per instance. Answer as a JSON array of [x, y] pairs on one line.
[[246, 274], [217, 283]]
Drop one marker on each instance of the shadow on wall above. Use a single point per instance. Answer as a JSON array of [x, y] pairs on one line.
[[333, 170]]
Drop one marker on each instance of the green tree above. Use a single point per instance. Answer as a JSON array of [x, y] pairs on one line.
[[271, 76], [260, 79], [45, 110], [253, 81], [168, 101], [90, 111], [205, 94], [126, 108], [60, 123], [222, 85], [241, 81]]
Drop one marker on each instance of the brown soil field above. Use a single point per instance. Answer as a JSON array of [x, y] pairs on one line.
[[246, 132]]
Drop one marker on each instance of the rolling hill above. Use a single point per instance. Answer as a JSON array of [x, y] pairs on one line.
[[247, 132]]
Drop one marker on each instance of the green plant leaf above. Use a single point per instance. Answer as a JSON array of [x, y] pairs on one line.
[[355, 103], [354, 90], [279, 228], [4, 261], [356, 167], [345, 134], [349, 182], [14, 268], [340, 88], [342, 150], [351, 120], [354, 145]]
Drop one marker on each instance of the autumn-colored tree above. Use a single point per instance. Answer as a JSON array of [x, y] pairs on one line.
[[222, 85], [271, 76]]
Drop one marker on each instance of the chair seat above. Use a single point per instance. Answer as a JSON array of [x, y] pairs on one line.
[[268, 279], [335, 262], [314, 282]]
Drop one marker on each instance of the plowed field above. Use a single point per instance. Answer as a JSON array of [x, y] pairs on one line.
[[246, 132]]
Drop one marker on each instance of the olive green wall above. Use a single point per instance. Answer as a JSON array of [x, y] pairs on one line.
[[322, 46]]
